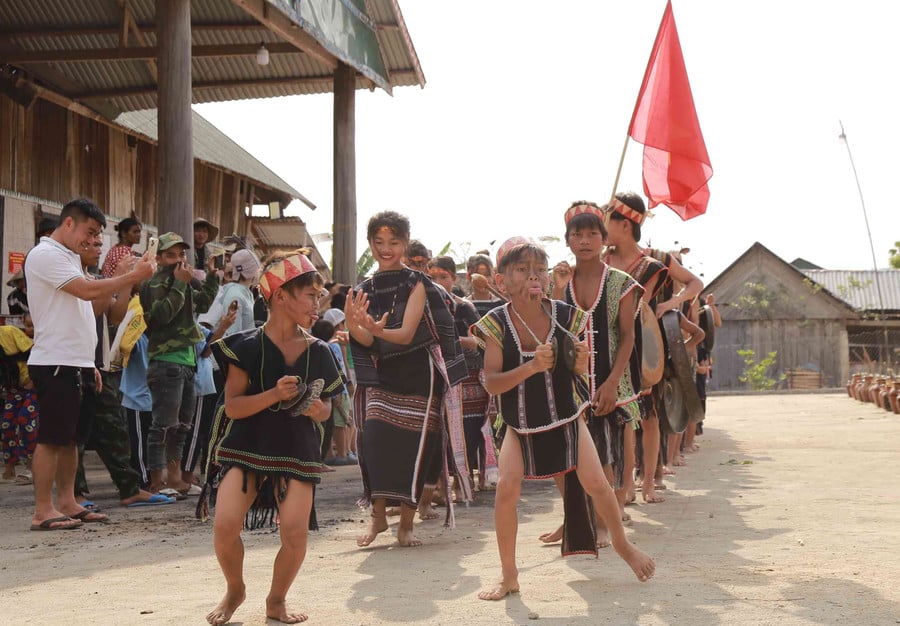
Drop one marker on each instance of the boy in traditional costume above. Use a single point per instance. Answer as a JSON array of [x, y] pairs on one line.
[[610, 298], [406, 354], [278, 389], [626, 214], [535, 365]]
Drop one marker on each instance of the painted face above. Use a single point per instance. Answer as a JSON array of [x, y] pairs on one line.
[[442, 277], [173, 255], [387, 249], [80, 237], [585, 243], [302, 305], [526, 279]]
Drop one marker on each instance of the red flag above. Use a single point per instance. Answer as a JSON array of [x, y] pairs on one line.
[[676, 164]]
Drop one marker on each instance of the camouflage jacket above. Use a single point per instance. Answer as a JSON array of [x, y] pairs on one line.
[[169, 309]]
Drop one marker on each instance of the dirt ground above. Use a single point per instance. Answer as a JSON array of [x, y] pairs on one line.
[[789, 514]]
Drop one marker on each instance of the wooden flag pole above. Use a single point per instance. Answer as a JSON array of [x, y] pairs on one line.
[[612, 196]]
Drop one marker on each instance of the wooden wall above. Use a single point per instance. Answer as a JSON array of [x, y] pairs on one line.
[[54, 154], [817, 342]]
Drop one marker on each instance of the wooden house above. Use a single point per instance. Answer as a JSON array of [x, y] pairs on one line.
[[768, 305]]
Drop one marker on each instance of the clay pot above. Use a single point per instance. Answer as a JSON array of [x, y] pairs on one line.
[[894, 397]]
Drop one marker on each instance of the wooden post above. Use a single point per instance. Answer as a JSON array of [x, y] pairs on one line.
[[175, 171], [344, 249]]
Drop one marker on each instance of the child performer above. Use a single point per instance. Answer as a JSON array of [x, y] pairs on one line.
[[407, 354], [269, 455], [610, 298], [542, 403]]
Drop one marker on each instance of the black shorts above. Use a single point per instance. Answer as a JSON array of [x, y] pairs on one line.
[[59, 391]]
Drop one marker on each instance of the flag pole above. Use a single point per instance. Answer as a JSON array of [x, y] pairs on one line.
[[636, 102], [615, 187]]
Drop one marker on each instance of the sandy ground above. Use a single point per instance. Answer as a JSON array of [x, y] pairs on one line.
[[789, 514]]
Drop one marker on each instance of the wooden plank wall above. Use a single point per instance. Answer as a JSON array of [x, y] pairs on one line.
[[798, 343], [51, 153]]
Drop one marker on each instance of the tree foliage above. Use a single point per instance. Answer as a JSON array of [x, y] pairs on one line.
[[756, 373]]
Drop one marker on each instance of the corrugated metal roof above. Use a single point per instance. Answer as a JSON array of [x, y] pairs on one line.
[[213, 146], [132, 79], [287, 233], [859, 289]]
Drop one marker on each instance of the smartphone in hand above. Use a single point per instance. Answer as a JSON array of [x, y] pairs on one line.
[[233, 306], [152, 247]]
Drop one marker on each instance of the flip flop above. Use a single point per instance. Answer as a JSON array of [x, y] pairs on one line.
[[173, 493], [90, 506], [48, 524], [154, 500], [85, 516]]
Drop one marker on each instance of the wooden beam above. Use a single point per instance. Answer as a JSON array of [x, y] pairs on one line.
[[131, 26], [24, 57], [284, 27], [219, 84], [387, 26], [175, 157], [115, 29], [344, 175]]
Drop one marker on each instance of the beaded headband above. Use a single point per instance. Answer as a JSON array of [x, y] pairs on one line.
[[283, 271], [511, 243], [616, 206], [582, 208]]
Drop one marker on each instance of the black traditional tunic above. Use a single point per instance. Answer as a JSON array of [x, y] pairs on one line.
[[603, 343], [401, 392], [278, 443], [543, 411]]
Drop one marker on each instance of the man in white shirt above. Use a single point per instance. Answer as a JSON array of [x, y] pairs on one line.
[[65, 338]]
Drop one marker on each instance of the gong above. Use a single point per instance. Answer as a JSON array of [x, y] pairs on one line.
[[653, 351], [681, 374], [708, 325]]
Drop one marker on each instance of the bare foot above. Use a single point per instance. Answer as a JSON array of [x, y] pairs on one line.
[[603, 539], [226, 608], [407, 539], [642, 565], [392, 511], [426, 512], [650, 495], [376, 525], [553, 537], [667, 471], [500, 590], [279, 611]]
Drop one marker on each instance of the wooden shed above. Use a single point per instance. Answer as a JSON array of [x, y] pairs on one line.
[[768, 305], [49, 154]]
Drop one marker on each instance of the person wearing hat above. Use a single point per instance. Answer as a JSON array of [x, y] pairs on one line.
[[279, 384], [17, 300], [344, 431], [170, 304], [204, 232]]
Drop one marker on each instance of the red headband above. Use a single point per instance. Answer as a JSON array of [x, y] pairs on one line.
[[623, 209], [281, 272], [582, 208]]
